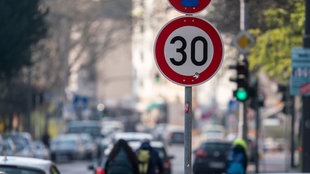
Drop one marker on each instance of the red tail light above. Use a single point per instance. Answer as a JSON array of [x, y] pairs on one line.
[[167, 164], [100, 170], [201, 153], [300, 149]]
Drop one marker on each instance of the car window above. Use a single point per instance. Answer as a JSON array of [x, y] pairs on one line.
[[20, 170], [215, 146]]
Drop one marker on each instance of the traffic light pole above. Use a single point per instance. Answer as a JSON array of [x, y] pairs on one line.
[[306, 102], [243, 106]]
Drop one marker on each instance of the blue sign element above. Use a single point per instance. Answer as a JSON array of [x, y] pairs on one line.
[[80, 102], [300, 73], [190, 3]]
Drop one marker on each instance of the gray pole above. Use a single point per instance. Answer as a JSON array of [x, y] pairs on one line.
[[306, 102], [292, 109], [243, 107], [188, 131]]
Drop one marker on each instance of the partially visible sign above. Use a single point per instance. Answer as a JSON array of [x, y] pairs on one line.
[[243, 42], [304, 89], [300, 73], [189, 6]]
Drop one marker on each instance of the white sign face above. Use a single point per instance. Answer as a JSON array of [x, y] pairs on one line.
[[192, 45], [188, 51]]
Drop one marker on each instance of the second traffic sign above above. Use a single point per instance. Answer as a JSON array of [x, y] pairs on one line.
[[189, 6], [188, 51]]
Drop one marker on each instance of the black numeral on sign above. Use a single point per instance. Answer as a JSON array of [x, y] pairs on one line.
[[181, 50]]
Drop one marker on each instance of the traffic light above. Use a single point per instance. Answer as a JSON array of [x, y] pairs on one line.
[[242, 80]]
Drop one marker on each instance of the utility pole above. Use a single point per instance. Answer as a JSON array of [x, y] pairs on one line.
[[306, 102]]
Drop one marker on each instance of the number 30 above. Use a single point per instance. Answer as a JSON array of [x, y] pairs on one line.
[[192, 51]]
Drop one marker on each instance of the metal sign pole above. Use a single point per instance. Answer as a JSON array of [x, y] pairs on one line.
[[306, 102], [188, 131]]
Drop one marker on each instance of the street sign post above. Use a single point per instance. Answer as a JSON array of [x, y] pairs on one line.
[[188, 51], [189, 6]]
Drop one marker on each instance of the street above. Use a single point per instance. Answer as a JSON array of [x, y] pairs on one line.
[[271, 162], [81, 167]]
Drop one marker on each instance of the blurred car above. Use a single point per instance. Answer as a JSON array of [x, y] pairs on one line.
[[91, 148], [90, 127], [211, 157], [23, 143], [26, 165], [111, 126], [132, 136], [68, 146], [270, 145], [159, 131], [174, 135], [210, 132], [9, 147], [41, 151], [159, 146]]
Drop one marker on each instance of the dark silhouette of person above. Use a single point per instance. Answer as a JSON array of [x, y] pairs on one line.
[[122, 159], [154, 164], [46, 139]]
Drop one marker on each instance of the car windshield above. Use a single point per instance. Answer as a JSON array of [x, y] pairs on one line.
[[93, 131], [215, 146], [20, 170], [20, 143], [64, 143]]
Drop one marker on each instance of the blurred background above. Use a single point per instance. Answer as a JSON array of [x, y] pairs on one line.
[[93, 60]]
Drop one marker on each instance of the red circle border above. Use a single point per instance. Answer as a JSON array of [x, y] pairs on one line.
[[188, 10], [167, 71]]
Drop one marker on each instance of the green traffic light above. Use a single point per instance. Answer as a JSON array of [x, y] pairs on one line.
[[241, 94]]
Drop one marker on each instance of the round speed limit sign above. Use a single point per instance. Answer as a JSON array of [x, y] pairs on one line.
[[188, 51]]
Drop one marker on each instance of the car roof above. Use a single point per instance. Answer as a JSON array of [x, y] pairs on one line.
[[69, 136], [26, 162], [133, 136], [155, 144]]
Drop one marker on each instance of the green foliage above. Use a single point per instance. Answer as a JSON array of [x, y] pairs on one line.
[[282, 30], [22, 26]]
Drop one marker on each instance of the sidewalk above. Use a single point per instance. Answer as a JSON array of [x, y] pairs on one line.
[[274, 162]]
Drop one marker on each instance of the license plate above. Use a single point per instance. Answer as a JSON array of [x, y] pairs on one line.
[[217, 165]]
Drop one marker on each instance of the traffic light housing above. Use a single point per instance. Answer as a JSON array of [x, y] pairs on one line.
[[241, 79]]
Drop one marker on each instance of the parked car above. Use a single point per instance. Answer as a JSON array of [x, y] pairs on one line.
[[211, 157], [9, 147], [98, 167], [68, 146], [26, 165], [174, 135], [85, 126], [41, 151], [91, 148], [23, 143]]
